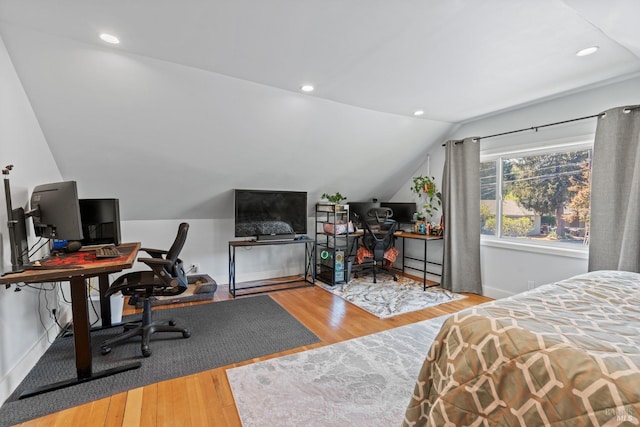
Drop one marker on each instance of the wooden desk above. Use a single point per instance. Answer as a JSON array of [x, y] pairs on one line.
[[424, 238], [413, 236], [75, 268]]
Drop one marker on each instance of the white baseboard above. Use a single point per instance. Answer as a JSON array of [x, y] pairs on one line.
[[19, 371], [496, 293]]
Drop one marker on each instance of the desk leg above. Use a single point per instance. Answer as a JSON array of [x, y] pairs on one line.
[[82, 344], [81, 337], [232, 270], [424, 273], [105, 303], [403, 252]]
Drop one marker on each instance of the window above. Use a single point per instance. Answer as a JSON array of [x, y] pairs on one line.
[[538, 197]]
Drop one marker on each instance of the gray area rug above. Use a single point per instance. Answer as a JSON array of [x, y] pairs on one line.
[[221, 333], [365, 381], [389, 298]]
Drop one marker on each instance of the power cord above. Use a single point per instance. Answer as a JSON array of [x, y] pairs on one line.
[[33, 251]]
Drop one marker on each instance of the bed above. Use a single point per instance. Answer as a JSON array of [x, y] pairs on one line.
[[563, 354]]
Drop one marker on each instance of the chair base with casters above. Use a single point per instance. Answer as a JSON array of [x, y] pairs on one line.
[[373, 267], [146, 326]]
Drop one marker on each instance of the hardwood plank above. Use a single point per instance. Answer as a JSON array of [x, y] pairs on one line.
[[165, 404], [199, 391], [133, 408], [205, 398], [148, 417], [115, 415], [99, 410]]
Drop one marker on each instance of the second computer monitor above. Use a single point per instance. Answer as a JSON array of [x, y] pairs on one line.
[[402, 212], [100, 221], [358, 211]]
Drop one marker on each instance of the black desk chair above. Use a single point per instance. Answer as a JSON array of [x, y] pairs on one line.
[[378, 238], [166, 278]]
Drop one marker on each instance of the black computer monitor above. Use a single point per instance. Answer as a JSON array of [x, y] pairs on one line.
[[100, 221], [358, 211], [55, 211], [402, 212]]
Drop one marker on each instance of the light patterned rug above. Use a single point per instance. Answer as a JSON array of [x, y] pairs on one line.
[[388, 298], [366, 381]]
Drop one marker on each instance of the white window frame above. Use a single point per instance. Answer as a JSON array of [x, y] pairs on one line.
[[577, 143]]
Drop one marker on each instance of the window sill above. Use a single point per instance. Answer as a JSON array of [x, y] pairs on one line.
[[534, 247]]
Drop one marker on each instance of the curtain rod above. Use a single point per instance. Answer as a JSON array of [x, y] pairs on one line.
[[535, 128]]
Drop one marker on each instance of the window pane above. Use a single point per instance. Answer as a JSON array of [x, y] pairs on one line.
[[488, 197], [546, 197]]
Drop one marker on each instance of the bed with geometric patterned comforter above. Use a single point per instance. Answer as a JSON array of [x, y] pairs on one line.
[[563, 354]]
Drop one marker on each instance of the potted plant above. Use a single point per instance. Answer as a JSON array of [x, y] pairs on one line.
[[425, 188], [336, 198]]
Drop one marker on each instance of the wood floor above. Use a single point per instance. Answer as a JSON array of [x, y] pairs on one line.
[[205, 399]]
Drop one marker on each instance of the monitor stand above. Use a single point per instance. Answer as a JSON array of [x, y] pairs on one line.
[[17, 229]]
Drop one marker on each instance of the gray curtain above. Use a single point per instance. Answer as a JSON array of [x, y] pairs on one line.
[[461, 210], [614, 235]]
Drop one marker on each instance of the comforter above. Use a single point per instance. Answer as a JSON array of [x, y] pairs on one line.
[[566, 353]]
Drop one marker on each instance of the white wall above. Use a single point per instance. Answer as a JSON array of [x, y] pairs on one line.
[[207, 246], [506, 271], [25, 323]]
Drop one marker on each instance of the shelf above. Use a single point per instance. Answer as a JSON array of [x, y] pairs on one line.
[[332, 243], [331, 207]]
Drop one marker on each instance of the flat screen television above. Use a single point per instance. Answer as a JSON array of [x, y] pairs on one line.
[[270, 214], [55, 211], [402, 212], [100, 221]]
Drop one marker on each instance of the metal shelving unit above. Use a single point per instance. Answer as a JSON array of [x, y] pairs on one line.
[[333, 243]]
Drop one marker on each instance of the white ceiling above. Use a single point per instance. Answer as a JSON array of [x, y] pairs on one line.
[[202, 96]]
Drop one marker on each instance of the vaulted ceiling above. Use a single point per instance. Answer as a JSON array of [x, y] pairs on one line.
[[203, 96]]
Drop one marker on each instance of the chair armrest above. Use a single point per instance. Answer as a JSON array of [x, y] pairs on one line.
[[155, 261], [155, 253]]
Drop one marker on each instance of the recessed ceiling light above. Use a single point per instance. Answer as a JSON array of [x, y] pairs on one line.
[[587, 51], [418, 113], [307, 88], [109, 38]]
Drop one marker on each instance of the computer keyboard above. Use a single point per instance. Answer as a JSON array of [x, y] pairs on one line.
[[107, 252]]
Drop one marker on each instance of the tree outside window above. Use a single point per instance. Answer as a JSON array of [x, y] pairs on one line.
[[544, 197]]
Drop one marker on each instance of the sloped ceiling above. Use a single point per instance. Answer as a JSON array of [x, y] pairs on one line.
[[201, 97]]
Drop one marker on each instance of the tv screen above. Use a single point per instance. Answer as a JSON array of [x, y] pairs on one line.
[[262, 213]]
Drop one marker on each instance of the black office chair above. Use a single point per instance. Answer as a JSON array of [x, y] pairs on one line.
[[166, 278], [378, 238]]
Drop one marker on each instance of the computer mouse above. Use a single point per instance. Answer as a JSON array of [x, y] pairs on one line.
[[73, 246]]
